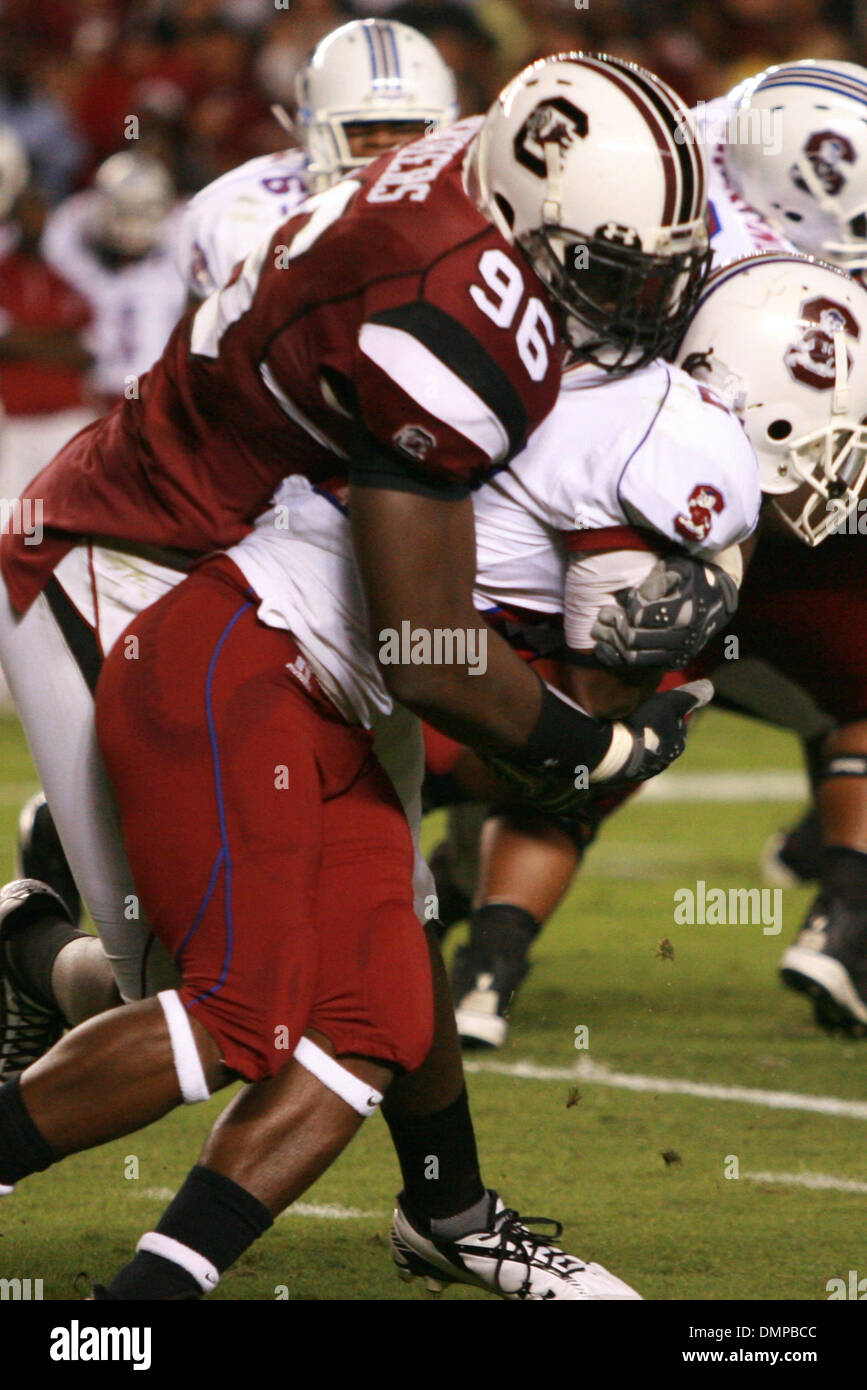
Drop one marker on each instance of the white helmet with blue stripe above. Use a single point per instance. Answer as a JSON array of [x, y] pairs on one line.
[[369, 71], [782, 338], [797, 151]]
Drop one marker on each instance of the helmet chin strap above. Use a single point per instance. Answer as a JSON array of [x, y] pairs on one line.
[[282, 117], [552, 208], [840, 403]]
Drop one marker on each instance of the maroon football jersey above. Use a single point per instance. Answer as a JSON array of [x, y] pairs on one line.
[[387, 331]]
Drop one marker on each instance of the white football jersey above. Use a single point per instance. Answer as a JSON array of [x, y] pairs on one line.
[[736, 229], [135, 304], [223, 222], [659, 461]]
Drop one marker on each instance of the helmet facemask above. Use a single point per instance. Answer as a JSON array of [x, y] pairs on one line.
[[635, 304], [328, 140], [815, 481], [832, 462]]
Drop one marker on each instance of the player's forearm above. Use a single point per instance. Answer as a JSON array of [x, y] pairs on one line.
[[608, 694], [417, 560]]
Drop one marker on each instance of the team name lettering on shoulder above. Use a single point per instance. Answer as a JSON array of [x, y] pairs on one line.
[[412, 171]]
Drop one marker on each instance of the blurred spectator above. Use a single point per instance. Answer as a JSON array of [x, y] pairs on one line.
[[55, 148], [199, 75], [43, 364]]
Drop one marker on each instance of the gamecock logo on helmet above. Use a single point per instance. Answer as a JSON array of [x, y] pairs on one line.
[[826, 151], [414, 441], [702, 504], [551, 122], [811, 359]]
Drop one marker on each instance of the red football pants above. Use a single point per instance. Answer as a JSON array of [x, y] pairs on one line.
[[266, 842]]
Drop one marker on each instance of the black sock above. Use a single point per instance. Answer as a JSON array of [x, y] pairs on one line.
[[502, 929], [22, 1148], [32, 951], [438, 1160], [844, 875], [212, 1215]]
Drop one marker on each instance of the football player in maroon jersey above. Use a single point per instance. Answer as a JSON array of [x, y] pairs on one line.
[[406, 331]]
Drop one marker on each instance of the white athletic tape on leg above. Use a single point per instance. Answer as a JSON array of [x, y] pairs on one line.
[[6, 1191], [188, 1063], [350, 1088], [206, 1275]]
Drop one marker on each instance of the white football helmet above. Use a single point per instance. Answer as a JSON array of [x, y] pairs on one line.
[[134, 195], [796, 149], [14, 169], [590, 165], [371, 70], [783, 339]]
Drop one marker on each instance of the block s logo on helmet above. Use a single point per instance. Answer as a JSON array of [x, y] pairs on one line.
[[703, 503], [811, 359], [551, 122], [826, 151]]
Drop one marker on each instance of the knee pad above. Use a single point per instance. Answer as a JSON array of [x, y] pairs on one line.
[[362, 1097], [188, 1063]]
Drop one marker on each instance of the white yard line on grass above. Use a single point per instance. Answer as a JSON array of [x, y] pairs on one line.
[[328, 1211], [819, 1181], [597, 1074], [727, 786], [325, 1211]]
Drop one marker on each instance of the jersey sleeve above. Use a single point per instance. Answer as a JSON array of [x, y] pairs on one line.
[[444, 394], [694, 479], [223, 222], [593, 581]]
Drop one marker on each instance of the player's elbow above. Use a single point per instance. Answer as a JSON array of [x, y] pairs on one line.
[[417, 687]]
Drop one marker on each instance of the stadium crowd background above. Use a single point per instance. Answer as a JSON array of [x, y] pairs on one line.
[[201, 74]]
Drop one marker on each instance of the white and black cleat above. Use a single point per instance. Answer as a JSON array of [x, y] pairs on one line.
[[27, 1027], [828, 963], [504, 1257]]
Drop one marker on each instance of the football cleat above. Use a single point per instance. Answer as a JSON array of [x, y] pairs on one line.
[[483, 986], [41, 856], [504, 1257], [792, 857], [27, 1027], [828, 962]]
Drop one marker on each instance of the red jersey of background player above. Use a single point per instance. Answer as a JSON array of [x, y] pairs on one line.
[[34, 296], [388, 330]]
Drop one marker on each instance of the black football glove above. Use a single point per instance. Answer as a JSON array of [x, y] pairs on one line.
[[658, 728], [680, 606], [641, 746]]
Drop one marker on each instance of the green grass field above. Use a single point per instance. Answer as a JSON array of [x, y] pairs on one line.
[[714, 1014]]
